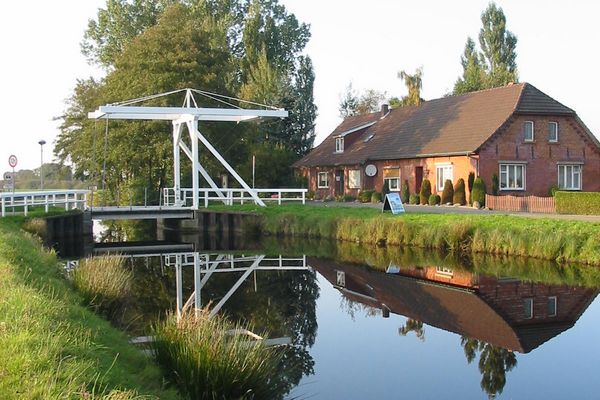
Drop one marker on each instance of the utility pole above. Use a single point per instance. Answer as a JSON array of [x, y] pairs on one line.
[[42, 143]]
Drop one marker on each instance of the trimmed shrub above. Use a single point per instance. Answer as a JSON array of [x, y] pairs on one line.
[[584, 203], [459, 193], [495, 185], [552, 190], [479, 191], [365, 196], [470, 181], [376, 197], [413, 198], [310, 195], [386, 188], [425, 191], [405, 193], [448, 192], [434, 200]]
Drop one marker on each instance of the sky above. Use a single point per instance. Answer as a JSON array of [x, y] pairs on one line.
[[358, 42]]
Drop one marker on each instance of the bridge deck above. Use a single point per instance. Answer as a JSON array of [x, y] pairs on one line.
[[141, 212]]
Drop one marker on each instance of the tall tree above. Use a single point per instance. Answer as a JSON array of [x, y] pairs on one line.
[[354, 103], [414, 84], [496, 64]]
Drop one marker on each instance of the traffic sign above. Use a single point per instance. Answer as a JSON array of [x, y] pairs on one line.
[[12, 160], [8, 176]]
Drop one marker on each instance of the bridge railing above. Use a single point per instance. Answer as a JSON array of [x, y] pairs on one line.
[[70, 199], [230, 196]]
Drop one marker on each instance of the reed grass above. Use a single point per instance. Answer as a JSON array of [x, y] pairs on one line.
[[205, 362]]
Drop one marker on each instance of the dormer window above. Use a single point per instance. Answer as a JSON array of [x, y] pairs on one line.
[[528, 131], [553, 132], [339, 144]]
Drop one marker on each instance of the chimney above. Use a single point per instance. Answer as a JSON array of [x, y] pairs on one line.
[[384, 110]]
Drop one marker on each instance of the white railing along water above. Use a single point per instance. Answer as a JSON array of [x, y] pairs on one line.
[[70, 199], [230, 196]]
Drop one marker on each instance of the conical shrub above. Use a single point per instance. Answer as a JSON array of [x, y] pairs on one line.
[[448, 193], [425, 191], [459, 193]]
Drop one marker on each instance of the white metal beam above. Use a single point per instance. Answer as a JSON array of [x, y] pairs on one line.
[[203, 172], [174, 113]]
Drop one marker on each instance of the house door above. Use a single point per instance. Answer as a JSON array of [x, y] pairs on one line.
[[418, 178], [339, 182]]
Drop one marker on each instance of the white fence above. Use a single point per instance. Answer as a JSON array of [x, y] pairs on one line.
[[229, 196], [70, 199]]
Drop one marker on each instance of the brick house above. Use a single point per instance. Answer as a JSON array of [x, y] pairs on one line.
[[518, 316], [526, 138]]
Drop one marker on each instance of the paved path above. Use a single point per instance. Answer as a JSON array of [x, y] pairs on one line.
[[460, 210]]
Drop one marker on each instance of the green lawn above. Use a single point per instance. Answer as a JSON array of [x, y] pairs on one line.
[[544, 238], [51, 346]]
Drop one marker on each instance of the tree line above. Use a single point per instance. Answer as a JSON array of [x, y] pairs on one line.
[[492, 65], [249, 49]]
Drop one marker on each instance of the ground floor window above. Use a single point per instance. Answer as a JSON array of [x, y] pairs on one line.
[[512, 176], [323, 180], [354, 179], [391, 177], [443, 172], [527, 308], [569, 177], [552, 306]]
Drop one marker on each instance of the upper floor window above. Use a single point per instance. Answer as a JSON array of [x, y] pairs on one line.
[[553, 131], [528, 131], [323, 180], [339, 144], [569, 176], [443, 172], [512, 176]]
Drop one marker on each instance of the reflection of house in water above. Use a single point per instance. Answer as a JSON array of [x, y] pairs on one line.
[[515, 315]]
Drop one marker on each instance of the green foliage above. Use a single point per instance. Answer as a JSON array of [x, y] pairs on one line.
[[585, 203], [207, 360], [405, 193], [376, 197], [385, 189], [354, 103], [345, 198], [448, 192], [310, 195], [414, 84], [552, 190], [413, 199], [496, 64], [459, 193], [479, 191], [495, 185], [425, 191], [434, 200], [365, 196], [470, 181]]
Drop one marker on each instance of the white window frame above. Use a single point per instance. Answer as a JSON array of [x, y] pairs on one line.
[[326, 174], [525, 131], [339, 144], [528, 302], [514, 166], [394, 182], [440, 172], [551, 140], [554, 300], [358, 176], [565, 167]]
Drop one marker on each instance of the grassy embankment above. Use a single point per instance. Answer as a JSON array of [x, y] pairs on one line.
[[53, 347], [548, 239]]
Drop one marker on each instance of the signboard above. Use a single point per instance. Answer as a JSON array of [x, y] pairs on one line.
[[8, 176], [392, 202], [12, 160]]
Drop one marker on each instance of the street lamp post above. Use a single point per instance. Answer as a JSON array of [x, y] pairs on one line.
[[42, 143]]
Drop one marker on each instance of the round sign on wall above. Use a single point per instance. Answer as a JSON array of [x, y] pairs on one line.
[[370, 170], [12, 160]]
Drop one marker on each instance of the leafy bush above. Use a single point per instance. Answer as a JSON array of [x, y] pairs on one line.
[[413, 198], [585, 203], [310, 195], [448, 192], [386, 188], [479, 191], [365, 196], [405, 193], [495, 185], [470, 181], [552, 190], [459, 193], [425, 191], [434, 200], [376, 197]]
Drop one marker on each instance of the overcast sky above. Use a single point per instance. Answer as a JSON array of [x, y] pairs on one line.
[[362, 42]]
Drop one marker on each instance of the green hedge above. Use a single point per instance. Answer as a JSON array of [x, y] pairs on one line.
[[587, 203]]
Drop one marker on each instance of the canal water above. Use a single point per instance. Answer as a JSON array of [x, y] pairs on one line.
[[381, 323]]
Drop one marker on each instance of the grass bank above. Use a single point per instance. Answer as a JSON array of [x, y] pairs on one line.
[[544, 238], [51, 346]]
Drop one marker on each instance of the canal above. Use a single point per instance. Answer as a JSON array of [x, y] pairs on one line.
[[381, 323]]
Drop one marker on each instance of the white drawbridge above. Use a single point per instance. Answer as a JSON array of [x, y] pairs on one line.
[[187, 118]]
